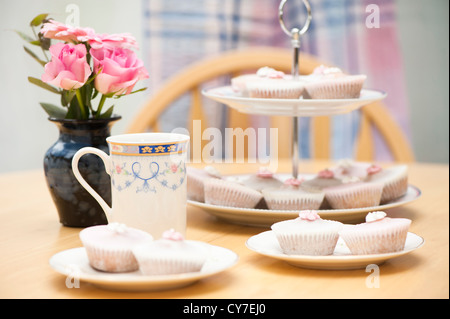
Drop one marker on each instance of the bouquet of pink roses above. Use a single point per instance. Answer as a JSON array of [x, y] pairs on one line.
[[83, 64]]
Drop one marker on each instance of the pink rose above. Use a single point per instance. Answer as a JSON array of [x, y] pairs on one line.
[[118, 70], [68, 68], [110, 41], [59, 31]]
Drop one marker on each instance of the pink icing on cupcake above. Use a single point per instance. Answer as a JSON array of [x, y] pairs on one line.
[[326, 173], [265, 173], [373, 169], [171, 234], [309, 215], [293, 181], [275, 75]]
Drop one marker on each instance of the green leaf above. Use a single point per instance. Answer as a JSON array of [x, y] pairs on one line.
[[34, 56], [74, 110], [24, 36], [67, 96], [53, 110], [119, 96], [38, 19], [108, 113], [43, 85]]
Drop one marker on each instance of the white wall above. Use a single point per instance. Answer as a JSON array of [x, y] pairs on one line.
[[25, 133], [423, 27]]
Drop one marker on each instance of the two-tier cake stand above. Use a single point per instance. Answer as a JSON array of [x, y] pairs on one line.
[[294, 108]]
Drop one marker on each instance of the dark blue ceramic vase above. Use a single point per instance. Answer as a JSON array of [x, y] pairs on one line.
[[75, 206]]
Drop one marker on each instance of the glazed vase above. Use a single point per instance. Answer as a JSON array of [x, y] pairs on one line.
[[75, 206]]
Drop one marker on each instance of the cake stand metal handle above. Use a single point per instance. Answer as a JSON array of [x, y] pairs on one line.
[[295, 34]]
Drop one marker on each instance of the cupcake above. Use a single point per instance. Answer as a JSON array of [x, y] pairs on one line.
[[170, 255], [354, 195], [307, 235], [292, 197], [325, 178], [263, 179], [109, 247], [332, 83], [239, 83], [273, 84], [230, 193], [394, 180], [195, 181], [378, 235]]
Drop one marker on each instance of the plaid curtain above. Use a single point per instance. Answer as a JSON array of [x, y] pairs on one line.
[[178, 33]]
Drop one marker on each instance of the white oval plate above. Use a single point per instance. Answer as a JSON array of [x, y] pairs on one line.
[[266, 217], [74, 263], [266, 244], [291, 107]]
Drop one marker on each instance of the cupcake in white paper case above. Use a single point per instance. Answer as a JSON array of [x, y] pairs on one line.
[[264, 178], [378, 235], [170, 255], [353, 195], [308, 234], [394, 180], [109, 247], [332, 83], [291, 196], [268, 83], [230, 193], [195, 181]]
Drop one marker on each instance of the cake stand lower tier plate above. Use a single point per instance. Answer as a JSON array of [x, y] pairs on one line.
[[291, 107], [265, 217]]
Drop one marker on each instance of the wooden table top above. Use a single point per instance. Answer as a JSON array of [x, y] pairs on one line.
[[31, 234]]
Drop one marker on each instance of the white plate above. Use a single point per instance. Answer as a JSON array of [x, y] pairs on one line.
[[265, 217], [267, 244], [291, 107], [75, 264]]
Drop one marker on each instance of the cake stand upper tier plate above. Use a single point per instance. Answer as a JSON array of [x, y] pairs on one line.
[[291, 107]]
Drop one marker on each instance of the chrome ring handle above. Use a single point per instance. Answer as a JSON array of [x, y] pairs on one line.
[[295, 33]]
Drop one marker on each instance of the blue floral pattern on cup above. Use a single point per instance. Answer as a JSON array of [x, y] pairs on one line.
[[141, 179]]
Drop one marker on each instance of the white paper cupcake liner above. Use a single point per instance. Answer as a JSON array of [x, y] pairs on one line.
[[292, 201], [276, 89], [225, 193], [169, 266], [394, 189], [362, 195], [108, 260], [195, 188], [378, 241], [342, 88], [316, 244]]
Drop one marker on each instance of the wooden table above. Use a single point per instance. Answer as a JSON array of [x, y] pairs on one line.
[[30, 234]]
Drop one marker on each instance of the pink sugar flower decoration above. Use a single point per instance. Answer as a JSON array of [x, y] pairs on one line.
[[310, 215], [293, 181], [373, 169], [264, 172], [326, 173], [171, 234]]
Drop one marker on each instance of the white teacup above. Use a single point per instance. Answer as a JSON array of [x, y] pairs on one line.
[[148, 180]]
